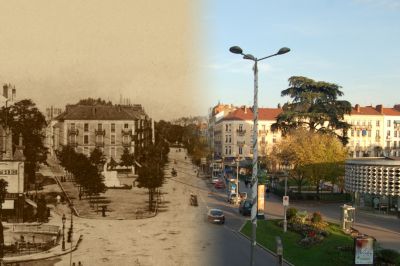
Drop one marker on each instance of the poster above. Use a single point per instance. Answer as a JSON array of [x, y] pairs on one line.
[[364, 250], [261, 200]]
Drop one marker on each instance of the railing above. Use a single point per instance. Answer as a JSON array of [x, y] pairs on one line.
[[73, 131], [241, 132], [99, 143], [126, 132], [100, 132], [126, 144], [44, 229]]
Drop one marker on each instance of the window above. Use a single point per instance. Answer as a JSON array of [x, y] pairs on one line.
[[388, 133], [72, 126], [113, 127], [112, 139], [394, 144], [240, 127], [85, 139], [377, 123], [377, 133], [352, 133], [369, 123], [99, 127], [230, 139], [126, 126], [240, 150], [226, 127], [395, 134], [388, 144], [358, 133], [86, 127], [388, 123], [369, 133], [363, 122], [226, 138]]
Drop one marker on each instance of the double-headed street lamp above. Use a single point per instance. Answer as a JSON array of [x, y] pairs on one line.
[[238, 50], [64, 219]]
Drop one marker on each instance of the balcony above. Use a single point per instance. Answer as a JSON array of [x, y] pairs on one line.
[[99, 144], [100, 132], [73, 131], [241, 132], [241, 143], [73, 143], [126, 132], [126, 144]]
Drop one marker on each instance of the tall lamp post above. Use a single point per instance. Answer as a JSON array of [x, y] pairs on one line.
[[71, 231], [286, 165], [238, 50], [64, 219]]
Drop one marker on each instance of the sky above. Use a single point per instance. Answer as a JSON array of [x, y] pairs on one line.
[[353, 43], [58, 52], [173, 56]]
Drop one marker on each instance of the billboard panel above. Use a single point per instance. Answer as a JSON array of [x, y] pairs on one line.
[[260, 200]]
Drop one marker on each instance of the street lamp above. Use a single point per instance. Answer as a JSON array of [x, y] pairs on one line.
[[286, 165], [238, 50], [64, 219], [71, 232]]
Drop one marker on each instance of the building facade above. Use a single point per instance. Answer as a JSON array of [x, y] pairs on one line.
[[233, 134], [375, 183], [111, 128]]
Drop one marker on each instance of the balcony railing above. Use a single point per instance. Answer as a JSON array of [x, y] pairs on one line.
[[241, 132], [99, 143], [126, 144], [126, 132], [100, 132], [73, 131]]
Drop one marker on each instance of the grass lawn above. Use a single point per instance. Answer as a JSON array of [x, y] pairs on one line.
[[324, 253]]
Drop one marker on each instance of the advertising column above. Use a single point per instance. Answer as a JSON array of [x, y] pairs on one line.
[[261, 202]]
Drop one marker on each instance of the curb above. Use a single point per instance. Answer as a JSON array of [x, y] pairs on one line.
[[261, 246], [6, 261]]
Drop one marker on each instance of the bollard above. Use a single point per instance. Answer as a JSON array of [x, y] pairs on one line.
[[279, 250]]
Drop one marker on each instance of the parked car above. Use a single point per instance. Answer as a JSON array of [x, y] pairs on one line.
[[216, 216], [245, 207], [219, 184], [214, 179]]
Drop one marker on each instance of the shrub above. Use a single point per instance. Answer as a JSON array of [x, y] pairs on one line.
[[388, 256], [316, 218], [291, 213]]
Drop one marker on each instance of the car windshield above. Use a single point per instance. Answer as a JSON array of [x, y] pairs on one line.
[[216, 213]]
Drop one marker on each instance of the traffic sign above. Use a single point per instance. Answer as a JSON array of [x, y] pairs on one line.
[[285, 200]]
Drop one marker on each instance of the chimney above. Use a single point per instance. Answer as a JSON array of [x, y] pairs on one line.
[[5, 91], [379, 108], [397, 107], [357, 107]]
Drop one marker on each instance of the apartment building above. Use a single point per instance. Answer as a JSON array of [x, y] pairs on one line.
[[375, 131], [111, 128], [233, 134]]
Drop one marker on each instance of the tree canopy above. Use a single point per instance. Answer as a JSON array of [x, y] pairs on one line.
[[93, 101], [24, 118], [315, 107], [312, 156]]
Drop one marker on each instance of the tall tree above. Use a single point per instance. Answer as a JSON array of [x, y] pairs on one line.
[[127, 159], [315, 107], [312, 156], [97, 157], [24, 118], [3, 192]]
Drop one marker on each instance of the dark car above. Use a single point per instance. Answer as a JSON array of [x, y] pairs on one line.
[[216, 216], [220, 184], [245, 207]]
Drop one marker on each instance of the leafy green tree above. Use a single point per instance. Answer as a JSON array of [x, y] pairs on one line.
[[312, 156], [127, 159], [315, 107], [151, 172], [3, 192], [24, 118], [97, 157]]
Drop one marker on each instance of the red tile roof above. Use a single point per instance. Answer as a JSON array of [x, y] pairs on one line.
[[247, 114], [367, 110], [390, 111]]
